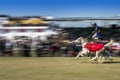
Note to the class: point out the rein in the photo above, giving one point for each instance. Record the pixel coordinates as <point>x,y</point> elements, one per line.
<point>89,36</point>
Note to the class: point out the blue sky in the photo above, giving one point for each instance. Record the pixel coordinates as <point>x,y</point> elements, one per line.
<point>61,8</point>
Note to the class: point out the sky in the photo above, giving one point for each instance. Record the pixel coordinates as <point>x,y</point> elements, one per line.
<point>61,8</point>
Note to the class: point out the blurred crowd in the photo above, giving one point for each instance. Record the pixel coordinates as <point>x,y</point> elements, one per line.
<point>25,46</point>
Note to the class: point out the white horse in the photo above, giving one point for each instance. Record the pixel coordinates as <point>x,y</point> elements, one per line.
<point>93,48</point>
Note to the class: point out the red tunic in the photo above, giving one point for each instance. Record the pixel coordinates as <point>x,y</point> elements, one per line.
<point>93,47</point>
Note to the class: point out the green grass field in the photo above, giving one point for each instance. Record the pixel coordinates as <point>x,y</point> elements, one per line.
<point>57,68</point>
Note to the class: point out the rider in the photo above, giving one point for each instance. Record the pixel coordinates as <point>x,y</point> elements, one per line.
<point>97,36</point>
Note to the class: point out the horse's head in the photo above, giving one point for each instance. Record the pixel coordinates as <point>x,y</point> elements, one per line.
<point>80,40</point>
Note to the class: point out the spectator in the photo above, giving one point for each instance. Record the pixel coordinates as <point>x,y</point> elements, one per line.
<point>26,49</point>
<point>8,48</point>
<point>39,49</point>
<point>2,47</point>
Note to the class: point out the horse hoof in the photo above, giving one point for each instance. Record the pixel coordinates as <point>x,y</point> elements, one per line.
<point>95,59</point>
<point>91,60</point>
<point>111,59</point>
<point>76,58</point>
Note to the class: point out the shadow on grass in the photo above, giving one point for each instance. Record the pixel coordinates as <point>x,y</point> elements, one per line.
<point>112,62</point>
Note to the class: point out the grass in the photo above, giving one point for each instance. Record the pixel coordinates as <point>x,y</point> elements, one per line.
<point>57,68</point>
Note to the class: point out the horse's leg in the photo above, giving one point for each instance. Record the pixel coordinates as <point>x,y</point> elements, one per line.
<point>101,59</point>
<point>96,56</point>
<point>110,55</point>
<point>79,54</point>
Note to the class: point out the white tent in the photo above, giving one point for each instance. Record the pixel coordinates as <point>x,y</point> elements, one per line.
<point>50,32</point>
<point>8,35</point>
<point>24,34</point>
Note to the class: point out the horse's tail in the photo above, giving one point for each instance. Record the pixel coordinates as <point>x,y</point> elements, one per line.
<point>109,43</point>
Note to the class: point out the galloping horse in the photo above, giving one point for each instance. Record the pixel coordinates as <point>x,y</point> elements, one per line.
<point>93,48</point>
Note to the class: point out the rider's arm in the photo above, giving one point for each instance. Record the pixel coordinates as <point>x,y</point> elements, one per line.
<point>96,28</point>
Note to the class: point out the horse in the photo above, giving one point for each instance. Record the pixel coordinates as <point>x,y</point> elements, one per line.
<point>93,48</point>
